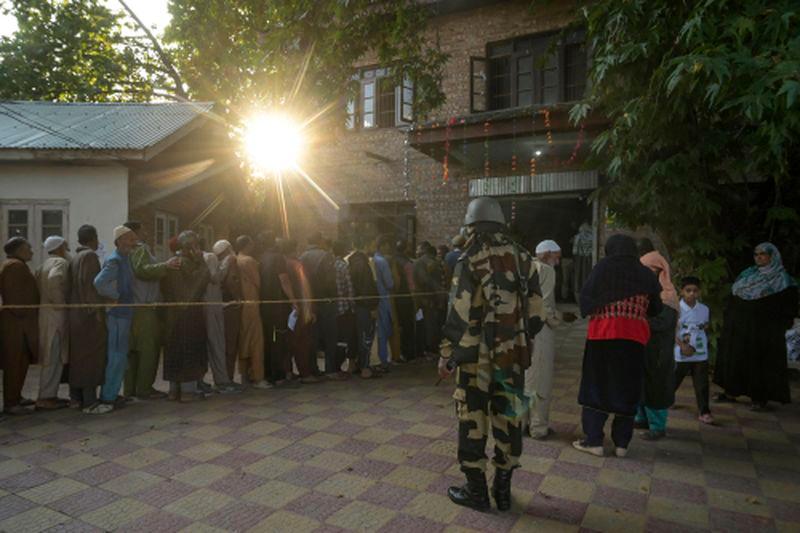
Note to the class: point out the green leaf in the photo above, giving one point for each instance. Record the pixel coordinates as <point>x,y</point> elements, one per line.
<point>790,88</point>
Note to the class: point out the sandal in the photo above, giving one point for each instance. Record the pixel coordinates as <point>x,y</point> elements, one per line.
<point>654,435</point>
<point>99,408</point>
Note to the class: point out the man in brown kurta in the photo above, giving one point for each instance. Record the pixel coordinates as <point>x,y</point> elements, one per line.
<point>19,328</point>
<point>251,336</point>
<point>87,326</point>
<point>185,351</point>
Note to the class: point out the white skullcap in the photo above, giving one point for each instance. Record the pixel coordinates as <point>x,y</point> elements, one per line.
<point>119,231</point>
<point>52,243</point>
<point>547,245</point>
<point>220,246</point>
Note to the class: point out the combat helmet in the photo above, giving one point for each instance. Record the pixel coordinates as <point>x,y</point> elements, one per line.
<point>484,209</point>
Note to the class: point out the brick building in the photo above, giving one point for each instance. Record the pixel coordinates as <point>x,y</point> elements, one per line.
<point>503,131</point>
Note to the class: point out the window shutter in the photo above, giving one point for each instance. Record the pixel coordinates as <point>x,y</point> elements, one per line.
<point>477,84</point>
<point>368,98</point>
<point>350,119</point>
<point>405,102</point>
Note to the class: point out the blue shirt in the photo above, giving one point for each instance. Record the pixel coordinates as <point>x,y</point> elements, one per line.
<point>452,258</point>
<point>115,281</point>
<point>383,273</point>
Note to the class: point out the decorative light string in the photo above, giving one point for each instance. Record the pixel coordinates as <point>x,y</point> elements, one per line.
<point>576,149</point>
<point>533,148</point>
<point>548,131</point>
<point>513,147</point>
<point>486,165</point>
<point>446,158</point>
<point>406,170</point>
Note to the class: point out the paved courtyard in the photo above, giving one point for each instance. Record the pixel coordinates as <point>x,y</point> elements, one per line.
<point>379,455</point>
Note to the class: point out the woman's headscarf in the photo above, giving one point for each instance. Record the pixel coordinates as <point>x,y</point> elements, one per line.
<point>759,282</point>
<point>656,262</point>
<point>618,276</point>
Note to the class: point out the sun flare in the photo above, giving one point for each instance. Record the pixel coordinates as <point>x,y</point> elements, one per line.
<point>273,142</point>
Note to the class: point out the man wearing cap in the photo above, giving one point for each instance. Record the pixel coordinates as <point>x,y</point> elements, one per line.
<point>145,340</point>
<point>215,326</point>
<point>495,309</point>
<point>539,377</point>
<point>452,256</point>
<point>19,328</point>
<point>53,280</point>
<point>115,281</point>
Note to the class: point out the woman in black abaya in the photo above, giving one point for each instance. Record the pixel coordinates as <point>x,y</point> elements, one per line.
<point>752,349</point>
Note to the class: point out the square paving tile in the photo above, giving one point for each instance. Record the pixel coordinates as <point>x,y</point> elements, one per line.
<point>275,494</point>
<point>203,475</point>
<point>117,514</point>
<point>287,522</point>
<point>33,520</point>
<point>199,504</point>
<point>53,490</point>
<point>361,516</point>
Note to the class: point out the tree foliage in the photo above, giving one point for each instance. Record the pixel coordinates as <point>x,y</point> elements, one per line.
<point>703,103</point>
<point>298,53</point>
<point>78,50</point>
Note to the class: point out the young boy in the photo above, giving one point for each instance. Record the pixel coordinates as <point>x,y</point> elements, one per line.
<point>691,345</point>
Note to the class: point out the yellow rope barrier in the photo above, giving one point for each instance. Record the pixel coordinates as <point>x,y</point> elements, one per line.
<point>204,303</point>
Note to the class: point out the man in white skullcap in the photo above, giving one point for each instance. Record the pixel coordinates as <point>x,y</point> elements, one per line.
<point>231,286</point>
<point>215,322</point>
<point>539,377</point>
<point>53,280</point>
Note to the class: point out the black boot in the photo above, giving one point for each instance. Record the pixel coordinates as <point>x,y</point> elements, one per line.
<point>501,489</point>
<point>475,494</point>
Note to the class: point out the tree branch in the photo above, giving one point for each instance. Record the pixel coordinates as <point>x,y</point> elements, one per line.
<point>171,70</point>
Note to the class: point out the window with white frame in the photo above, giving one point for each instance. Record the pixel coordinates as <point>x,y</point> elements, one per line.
<point>35,220</point>
<point>166,227</point>
<point>380,102</point>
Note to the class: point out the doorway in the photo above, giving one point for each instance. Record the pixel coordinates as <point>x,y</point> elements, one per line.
<point>533,219</point>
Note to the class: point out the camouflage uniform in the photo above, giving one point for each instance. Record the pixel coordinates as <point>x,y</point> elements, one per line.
<point>485,326</point>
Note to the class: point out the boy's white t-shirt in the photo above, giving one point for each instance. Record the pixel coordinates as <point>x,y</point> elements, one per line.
<point>690,328</point>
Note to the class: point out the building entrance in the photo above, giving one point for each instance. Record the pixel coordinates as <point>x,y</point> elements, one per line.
<point>533,219</point>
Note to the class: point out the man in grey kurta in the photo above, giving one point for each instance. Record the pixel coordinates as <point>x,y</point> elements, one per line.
<point>215,326</point>
<point>53,280</point>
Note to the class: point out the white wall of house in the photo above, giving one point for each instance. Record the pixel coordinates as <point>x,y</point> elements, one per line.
<point>96,195</point>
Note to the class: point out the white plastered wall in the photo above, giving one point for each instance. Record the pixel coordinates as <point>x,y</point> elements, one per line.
<point>96,195</point>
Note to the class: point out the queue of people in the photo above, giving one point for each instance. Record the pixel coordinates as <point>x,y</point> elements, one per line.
<point>258,303</point>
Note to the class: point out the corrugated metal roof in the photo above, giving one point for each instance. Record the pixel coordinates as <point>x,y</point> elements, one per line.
<point>88,126</point>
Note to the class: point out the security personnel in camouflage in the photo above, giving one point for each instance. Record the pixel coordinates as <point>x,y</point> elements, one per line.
<point>495,310</point>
